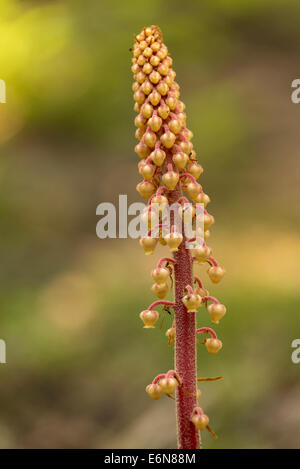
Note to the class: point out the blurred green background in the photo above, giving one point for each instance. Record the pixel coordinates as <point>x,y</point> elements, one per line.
<point>77,357</point>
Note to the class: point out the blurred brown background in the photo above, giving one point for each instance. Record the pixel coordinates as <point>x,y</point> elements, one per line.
<point>77,357</point>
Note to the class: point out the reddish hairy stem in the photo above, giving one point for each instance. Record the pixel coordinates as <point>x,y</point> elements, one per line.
<point>198,411</point>
<point>207,329</point>
<point>165,259</point>
<point>185,345</point>
<point>213,261</point>
<point>158,377</point>
<point>160,302</point>
<point>189,289</point>
<point>211,298</point>
<point>188,175</point>
<point>160,190</point>
<point>197,279</point>
<point>172,373</point>
<point>185,200</point>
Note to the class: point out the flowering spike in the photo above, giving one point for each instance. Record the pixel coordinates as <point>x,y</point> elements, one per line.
<point>168,165</point>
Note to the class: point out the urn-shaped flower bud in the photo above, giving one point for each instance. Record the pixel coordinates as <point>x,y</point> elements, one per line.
<point>147,171</point>
<point>201,253</point>
<point>175,124</point>
<point>213,345</point>
<point>154,77</point>
<point>140,121</point>
<point>135,86</point>
<point>163,69</point>
<point>159,201</point>
<point>162,88</point>
<point>139,133</point>
<point>188,134</point>
<point>146,189</point>
<point>158,157</point>
<point>216,273</point>
<point>193,189</point>
<point>149,318</point>
<point>208,220</point>
<point>149,244</point>
<point>168,385</point>
<point>200,421</point>
<point>170,333</point>
<point>139,97</point>
<point>182,117</point>
<point>192,301</point>
<point>146,87</point>
<point>185,146</point>
<point>163,111</point>
<point>171,101</point>
<point>154,98</point>
<point>202,199</point>
<point>154,60</point>
<point>173,240</point>
<point>142,150</point>
<point>154,390</point>
<point>168,139</point>
<point>155,123</point>
<point>180,160</point>
<point>195,169</point>
<point>147,110</point>
<point>216,312</point>
<point>150,139</point>
<point>160,290</point>
<point>160,275</point>
<point>171,179</point>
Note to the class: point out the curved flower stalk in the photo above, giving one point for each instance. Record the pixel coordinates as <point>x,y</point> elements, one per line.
<point>170,170</point>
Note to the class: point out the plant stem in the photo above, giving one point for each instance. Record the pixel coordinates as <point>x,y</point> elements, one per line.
<point>185,347</point>
<point>185,353</point>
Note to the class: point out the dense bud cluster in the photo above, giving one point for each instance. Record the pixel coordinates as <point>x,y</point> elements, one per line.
<point>161,120</point>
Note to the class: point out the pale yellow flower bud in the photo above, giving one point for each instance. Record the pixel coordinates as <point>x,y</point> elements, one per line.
<point>213,345</point>
<point>168,385</point>
<point>160,290</point>
<point>160,275</point>
<point>149,318</point>
<point>216,312</point>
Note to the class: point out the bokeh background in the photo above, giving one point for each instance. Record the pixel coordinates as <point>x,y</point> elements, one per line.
<point>77,357</point>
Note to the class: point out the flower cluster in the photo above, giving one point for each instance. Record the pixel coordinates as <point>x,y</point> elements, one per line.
<point>168,166</point>
<point>163,383</point>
